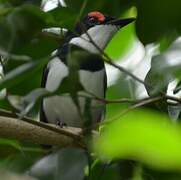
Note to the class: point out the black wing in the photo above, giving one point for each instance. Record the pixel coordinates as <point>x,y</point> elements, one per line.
<point>43,84</point>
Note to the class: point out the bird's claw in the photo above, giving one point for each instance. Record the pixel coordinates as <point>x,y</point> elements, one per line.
<point>61,124</point>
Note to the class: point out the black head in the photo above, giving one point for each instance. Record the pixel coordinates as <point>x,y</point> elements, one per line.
<point>96,18</point>
<point>101,29</point>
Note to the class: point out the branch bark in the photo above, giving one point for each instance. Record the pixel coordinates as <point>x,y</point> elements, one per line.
<point>20,130</point>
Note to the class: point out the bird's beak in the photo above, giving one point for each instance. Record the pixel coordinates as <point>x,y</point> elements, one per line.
<point>121,22</point>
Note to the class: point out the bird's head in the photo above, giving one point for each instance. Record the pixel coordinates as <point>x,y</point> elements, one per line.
<point>99,28</point>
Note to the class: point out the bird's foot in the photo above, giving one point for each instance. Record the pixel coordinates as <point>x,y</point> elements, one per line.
<point>61,124</point>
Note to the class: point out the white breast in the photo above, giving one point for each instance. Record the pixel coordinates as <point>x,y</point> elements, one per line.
<point>62,108</point>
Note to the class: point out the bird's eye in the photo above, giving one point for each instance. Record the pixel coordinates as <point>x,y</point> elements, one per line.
<point>93,20</point>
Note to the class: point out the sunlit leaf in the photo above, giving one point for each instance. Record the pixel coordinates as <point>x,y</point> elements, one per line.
<point>145,136</point>
<point>121,42</point>
<point>124,40</point>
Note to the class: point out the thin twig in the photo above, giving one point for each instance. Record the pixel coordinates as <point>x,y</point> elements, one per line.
<point>173,98</point>
<point>109,61</point>
<point>136,105</point>
<point>81,11</point>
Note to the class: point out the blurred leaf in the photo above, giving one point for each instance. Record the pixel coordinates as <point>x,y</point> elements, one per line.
<point>121,42</point>
<point>7,142</point>
<point>71,164</point>
<point>27,102</point>
<point>8,148</point>
<point>4,10</point>
<point>145,136</point>
<point>21,2</point>
<point>105,171</point>
<point>64,16</point>
<point>28,80</point>
<point>157,18</point>
<point>124,40</point>
<point>21,25</point>
<point>120,90</point>
<point>45,168</point>
<point>5,35</point>
<point>7,81</point>
<point>158,175</point>
<point>21,162</point>
<point>6,175</point>
<point>114,7</point>
<point>66,164</point>
<point>23,72</point>
<point>164,68</point>
<point>167,40</point>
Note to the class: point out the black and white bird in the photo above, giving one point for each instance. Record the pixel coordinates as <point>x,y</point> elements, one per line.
<point>61,109</point>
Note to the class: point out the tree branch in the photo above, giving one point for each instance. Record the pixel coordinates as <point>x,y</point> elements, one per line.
<point>20,130</point>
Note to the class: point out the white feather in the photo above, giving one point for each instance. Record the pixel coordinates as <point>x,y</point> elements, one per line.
<point>57,72</point>
<point>100,34</point>
<point>62,108</point>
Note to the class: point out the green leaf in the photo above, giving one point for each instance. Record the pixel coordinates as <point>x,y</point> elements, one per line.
<point>120,90</point>
<point>66,164</point>
<point>21,2</point>
<point>104,171</point>
<point>121,42</point>
<point>64,17</point>
<point>124,40</point>
<point>157,18</point>
<point>22,73</point>
<point>22,162</point>
<point>113,7</point>
<point>71,164</point>
<point>144,136</point>
<point>39,47</point>
<point>13,143</point>
<point>20,25</point>
<point>27,102</point>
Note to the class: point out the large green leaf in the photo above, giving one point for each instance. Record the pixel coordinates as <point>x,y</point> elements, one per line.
<point>114,7</point>
<point>157,18</point>
<point>145,136</point>
<point>64,17</point>
<point>20,2</point>
<point>124,40</point>
<point>121,42</point>
<point>25,72</point>
<point>66,164</point>
<point>20,25</point>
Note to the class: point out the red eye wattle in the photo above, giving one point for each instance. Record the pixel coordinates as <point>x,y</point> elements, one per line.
<point>97,15</point>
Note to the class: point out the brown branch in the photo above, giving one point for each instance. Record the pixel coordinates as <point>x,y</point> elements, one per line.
<point>14,128</point>
<point>39,124</point>
<point>41,133</point>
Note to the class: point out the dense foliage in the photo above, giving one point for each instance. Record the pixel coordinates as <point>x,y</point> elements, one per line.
<point>141,136</point>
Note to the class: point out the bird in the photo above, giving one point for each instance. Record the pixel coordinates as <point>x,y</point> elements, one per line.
<point>59,109</point>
